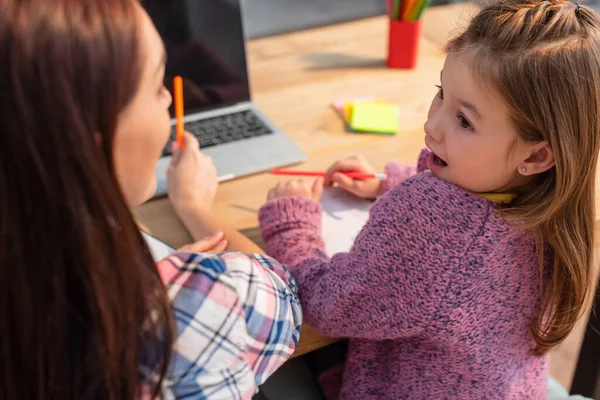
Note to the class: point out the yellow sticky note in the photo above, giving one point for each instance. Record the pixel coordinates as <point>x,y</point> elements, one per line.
<point>348,111</point>
<point>374,117</point>
<point>349,106</point>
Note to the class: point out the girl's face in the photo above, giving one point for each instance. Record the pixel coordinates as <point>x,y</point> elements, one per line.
<point>471,136</point>
<point>144,125</point>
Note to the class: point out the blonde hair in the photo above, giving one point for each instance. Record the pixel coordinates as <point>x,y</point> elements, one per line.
<point>543,58</point>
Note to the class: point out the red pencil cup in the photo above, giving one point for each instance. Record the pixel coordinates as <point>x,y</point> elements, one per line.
<point>403,43</point>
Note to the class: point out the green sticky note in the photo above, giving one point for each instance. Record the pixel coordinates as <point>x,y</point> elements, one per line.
<point>370,117</point>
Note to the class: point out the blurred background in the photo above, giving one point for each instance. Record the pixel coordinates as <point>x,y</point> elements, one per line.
<point>270,17</point>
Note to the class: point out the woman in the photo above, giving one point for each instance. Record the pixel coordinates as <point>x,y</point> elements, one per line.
<point>86,313</point>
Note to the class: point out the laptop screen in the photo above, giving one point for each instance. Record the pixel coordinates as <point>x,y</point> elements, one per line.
<point>205,46</point>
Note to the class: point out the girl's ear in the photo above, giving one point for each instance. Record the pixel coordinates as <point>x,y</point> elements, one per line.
<point>540,160</point>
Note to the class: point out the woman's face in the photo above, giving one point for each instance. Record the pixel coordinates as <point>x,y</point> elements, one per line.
<point>144,125</point>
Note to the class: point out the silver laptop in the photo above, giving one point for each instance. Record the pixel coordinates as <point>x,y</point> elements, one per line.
<point>205,46</point>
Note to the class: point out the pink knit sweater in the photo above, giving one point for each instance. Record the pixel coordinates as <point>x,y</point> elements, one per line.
<point>436,294</point>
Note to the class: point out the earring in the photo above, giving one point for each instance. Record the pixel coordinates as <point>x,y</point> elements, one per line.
<point>523,169</point>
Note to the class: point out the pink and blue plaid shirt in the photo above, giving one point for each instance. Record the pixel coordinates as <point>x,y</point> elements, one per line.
<point>238,320</point>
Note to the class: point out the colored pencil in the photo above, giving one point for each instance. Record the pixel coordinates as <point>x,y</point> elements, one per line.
<point>353,175</point>
<point>178,92</point>
<point>402,8</point>
<point>412,16</point>
<point>396,10</point>
<point>410,4</point>
<point>423,7</point>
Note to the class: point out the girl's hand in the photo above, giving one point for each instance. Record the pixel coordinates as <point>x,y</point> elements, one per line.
<point>211,244</point>
<point>367,188</point>
<point>297,189</point>
<point>191,177</point>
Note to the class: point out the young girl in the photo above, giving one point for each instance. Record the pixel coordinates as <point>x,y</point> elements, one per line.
<point>86,314</point>
<point>474,265</point>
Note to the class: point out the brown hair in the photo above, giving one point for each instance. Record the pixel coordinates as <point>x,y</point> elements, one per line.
<point>543,57</point>
<point>81,301</point>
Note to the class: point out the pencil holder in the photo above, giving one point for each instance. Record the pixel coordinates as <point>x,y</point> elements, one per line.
<point>403,43</point>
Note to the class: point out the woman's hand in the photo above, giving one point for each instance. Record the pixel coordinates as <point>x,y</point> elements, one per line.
<point>297,189</point>
<point>367,188</point>
<point>191,177</point>
<point>211,244</point>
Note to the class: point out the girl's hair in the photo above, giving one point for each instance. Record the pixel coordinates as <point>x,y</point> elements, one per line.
<point>81,301</point>
<point>543,58</point>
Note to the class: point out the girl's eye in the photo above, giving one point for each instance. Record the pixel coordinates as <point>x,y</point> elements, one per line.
<point>440,92</point>
<point>464,123</point>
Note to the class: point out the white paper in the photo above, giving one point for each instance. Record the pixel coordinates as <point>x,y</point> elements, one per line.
<point>344,215</point>
<point>159,249</point>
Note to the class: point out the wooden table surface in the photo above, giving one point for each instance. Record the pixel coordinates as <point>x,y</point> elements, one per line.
<point>294,78</point>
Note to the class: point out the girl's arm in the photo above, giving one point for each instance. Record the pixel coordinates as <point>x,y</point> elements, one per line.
<point>398,172</point>
<point>391,282</point>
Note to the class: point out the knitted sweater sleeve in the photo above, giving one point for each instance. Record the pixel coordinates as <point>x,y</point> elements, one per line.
<point>393,279</point>
<point>397,172</point>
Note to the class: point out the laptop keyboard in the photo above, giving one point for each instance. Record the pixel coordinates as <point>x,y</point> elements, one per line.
<point>223,129</point>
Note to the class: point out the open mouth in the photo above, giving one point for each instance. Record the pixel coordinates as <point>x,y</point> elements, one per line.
<point>439,161</point>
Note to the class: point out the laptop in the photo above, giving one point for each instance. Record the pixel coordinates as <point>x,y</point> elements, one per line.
<point>205,46</point>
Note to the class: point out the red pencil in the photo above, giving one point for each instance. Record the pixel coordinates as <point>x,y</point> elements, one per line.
<point>353,175</point>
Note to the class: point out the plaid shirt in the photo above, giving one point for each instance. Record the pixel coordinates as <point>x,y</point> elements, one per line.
<point>238,319</point>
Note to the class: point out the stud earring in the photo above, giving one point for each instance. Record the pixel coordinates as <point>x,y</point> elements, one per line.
<point>523,169</point>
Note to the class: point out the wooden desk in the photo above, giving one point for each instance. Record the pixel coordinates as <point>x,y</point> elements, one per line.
<point>295,77</point>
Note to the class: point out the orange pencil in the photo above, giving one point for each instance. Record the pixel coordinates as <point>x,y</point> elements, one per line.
<point>410,4</point>
<point>178,92</point>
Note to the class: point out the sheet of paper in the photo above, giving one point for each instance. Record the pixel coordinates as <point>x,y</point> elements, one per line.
<point>159,249</point>
<point>344,215</point>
